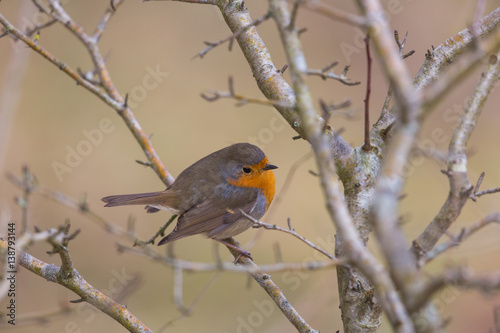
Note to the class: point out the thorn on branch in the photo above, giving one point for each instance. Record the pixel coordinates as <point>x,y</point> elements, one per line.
<point>76,301</point>
<point>301,31</point>
<point>428,54</point>
<point>147,164</point>
<point>401,45</point>
<point>277,252</point>
<point>5,33</point>
<point>409,54</point>
<point>346,68</point>
<point>289,222</point>
<point>283,69</point>
<point>230,86</point>
<point>84,205</point>
<point>327,68</point>
<point>212,98</point>
<point>112,3</point>
<point>125,104</point>
<point>386,131</point>
<point>314,173</point>
<point>446,172</point>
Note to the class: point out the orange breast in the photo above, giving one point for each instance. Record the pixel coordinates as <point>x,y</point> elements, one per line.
<point>258,179</point>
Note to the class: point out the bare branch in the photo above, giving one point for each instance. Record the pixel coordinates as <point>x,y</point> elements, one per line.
<point>459,238</point>
<point>160,232</point>
<point>460,188</point>
<point>465,65</point>
<point>72,280</point>
<point>378,29</point>
<point>390,180</point>
<point>335,13</point>
<point>475,194</point>
<point>103,24</point>
<point>224,266</point>
<point>274,292</point>
<point>337,209</point>
<point>110,96</point>
<point>202,2</point>
<point>71,203</point>
<point>325,73</point>
<point>446,53</point>
<point>459,277</point>
<point>231,38</point>
<point>292,232</point>
<point>441,57</point>
<point>367,145</point>
<point>269,79</point>
<point>385,113</point>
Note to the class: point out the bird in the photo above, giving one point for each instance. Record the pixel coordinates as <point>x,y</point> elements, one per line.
<point>211,195</point>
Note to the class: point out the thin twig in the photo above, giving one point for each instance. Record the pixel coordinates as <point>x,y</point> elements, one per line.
<point>211,45</point>
<point>458,277</point>
<point>291,231</point>
<point>367,145</point>
<point>462,67</point>
<point>313,132</point>
<point>72,280</point>
<point>335,13</point>
<point>274,292</point>
<point>113,99</point>
<point>201,2</point>
<point>160,232</point>
<point>458,238</point>
<point>224,266</point>
<point>214,95</point>
<point>71,203</point>
<point>475,194</point>
<point>103,23</point>
<point>324,74</point>
<point>460,187</point>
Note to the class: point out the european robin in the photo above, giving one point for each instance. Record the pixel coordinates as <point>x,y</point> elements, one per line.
<point>210,195</point>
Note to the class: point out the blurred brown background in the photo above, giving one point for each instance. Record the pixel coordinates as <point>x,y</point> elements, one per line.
<point>52,115</point>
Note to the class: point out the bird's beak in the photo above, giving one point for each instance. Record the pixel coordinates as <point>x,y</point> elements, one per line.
<point>269,167</point>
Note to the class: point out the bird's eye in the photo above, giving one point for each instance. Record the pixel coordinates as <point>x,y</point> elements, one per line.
<point>246,170</point>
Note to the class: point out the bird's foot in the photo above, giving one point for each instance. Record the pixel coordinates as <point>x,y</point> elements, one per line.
<point>241,252</point>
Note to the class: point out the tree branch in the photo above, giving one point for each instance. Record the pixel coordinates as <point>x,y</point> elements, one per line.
<point>455,240</point>
<point>269,79</point>
<point>70,278</point>
<point>460,187</point>
<point>224,266</point>
<point>110,96</point>
<point>337,208</point>
<point>274,292</point>
<point>290,231</point>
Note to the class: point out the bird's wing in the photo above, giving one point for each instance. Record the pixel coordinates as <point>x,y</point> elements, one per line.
<point>204,218</point>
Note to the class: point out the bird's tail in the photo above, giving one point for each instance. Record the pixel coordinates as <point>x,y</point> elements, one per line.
<point>152,200</point>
